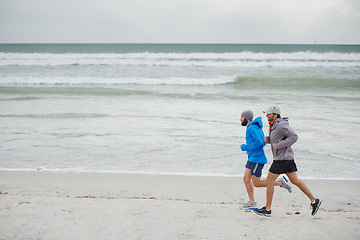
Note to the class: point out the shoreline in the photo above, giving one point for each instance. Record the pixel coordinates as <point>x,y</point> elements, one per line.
<point>162,174</point>
<point>49,205</point>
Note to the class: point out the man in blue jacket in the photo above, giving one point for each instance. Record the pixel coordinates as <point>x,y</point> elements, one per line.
<point>256,158</point>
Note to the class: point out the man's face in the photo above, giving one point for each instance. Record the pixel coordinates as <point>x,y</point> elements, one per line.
<point>244,121</point>
<point>271,117</point>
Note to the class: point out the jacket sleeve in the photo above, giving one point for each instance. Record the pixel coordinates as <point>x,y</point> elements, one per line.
<point>257,141</point>
<point>290,137</point>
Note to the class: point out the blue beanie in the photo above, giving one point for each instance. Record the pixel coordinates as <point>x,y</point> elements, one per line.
<point>248,115</point>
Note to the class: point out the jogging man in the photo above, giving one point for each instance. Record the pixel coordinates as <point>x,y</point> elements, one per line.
<point>256,158</point>
<point>281,137</point>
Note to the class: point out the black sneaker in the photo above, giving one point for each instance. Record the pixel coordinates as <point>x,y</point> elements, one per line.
<point>263,212</point>
<point>315,206</point>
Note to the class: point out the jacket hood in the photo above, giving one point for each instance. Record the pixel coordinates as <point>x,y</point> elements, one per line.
<point>284,120</point>
<point>257,122</point>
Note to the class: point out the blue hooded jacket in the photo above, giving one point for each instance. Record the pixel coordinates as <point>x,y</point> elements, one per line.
<point>255,142</point>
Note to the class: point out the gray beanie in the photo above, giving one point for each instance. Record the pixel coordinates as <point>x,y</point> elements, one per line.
<point>248,115</point>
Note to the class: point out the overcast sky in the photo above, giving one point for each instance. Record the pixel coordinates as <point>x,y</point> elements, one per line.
<point>180,21</point>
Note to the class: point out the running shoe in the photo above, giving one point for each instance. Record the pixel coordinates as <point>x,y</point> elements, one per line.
<point>315,206</point>
<point>263,212</point>
<point>285,183</point>
<point>249,205</point>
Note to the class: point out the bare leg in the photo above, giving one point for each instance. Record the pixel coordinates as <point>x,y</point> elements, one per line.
<point>262,183</point>
<point>270,182</point>
<point>251,181</point>
<point>301,185</point>
<point>248,185</point>
<point>257,182</point>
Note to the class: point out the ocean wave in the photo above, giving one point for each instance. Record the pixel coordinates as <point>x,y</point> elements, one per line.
<point>56,115</point>
<point>76,81</point>
<point>244,59</point>
<point>88,83</point>
<point>20,99</point>
<point>296,80</point>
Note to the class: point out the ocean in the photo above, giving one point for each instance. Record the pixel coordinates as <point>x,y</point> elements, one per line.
<point>175,108</point>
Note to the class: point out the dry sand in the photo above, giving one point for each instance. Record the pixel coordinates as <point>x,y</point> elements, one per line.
<point>48,205</point>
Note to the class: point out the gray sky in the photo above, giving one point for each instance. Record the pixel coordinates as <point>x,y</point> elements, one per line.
<point>180,21</point>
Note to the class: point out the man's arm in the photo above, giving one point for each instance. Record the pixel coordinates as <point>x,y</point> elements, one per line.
<point>290,138</point>
<point>257,140</point>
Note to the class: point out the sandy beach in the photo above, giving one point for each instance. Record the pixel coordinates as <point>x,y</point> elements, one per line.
<point>50,205</point>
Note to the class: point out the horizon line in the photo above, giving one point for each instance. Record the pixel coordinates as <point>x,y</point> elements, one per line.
<point>174,43</point>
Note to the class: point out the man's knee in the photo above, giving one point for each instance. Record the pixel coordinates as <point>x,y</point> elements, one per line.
<point>257,184</point>
<point>296,181</point>
<point>271,178</point>
<point>256,181</point>
<point>247,179</point>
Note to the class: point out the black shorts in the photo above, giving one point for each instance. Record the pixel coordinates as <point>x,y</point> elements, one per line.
<point>283,166</point>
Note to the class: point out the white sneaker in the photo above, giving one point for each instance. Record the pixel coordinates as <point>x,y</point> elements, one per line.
<point>285,183</point>
<point>249,206</point>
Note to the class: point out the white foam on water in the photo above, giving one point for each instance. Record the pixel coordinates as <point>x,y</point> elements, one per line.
<point>244,59</point>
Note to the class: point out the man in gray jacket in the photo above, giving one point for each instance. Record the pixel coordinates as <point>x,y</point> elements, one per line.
<point>281,137</point>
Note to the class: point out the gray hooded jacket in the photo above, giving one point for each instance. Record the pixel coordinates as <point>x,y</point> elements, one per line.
<point>283,136</point>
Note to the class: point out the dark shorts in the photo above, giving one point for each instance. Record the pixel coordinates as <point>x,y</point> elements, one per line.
<point>283,166</point>
<point>256,168</point>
